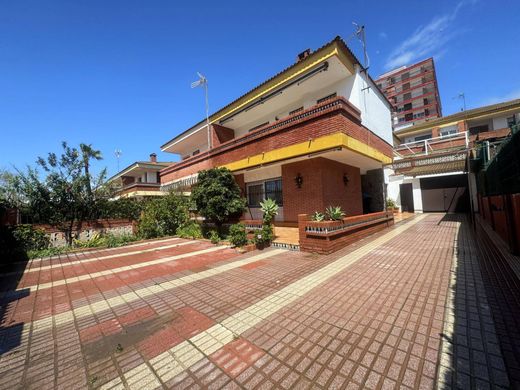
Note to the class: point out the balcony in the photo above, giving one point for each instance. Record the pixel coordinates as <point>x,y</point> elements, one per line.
<point>445,143</point>
<point>139,189</point>
<point>333,116</point>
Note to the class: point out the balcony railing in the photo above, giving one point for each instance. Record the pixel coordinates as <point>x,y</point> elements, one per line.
<point>433,145</point>
<point>139,186</point>
<point>337,104</point>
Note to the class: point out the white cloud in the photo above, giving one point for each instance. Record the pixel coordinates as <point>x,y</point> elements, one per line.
<point>426,40</point>
<point>383,35</point>
<point>515,94</point>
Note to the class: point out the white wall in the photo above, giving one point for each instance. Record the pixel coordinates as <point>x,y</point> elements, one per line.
<point>499,123</point>
<point>375,111</point>
<point>393,189</point>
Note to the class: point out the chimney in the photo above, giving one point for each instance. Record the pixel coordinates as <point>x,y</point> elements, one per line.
<point>153,158</point>
<point>303,55</point>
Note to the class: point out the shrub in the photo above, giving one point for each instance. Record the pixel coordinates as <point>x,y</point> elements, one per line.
<point>334,213</point>
<point>113,240</point>
<point>237,235</point>
<point>390,203</point>
<point>217,196</point>
<point>269,209</point>
<point>163,216</point>
<point>30,238</point>
<point>214,237</point>
<point>50,251</point>
<point>264,236</point>
<point>190,230</point>
<point>317,216</point>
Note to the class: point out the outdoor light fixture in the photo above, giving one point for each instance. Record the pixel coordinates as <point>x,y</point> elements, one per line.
<point>298,180</point>
<point>345,179</point>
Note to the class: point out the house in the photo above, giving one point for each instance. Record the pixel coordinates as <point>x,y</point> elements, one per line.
<point>313,135</point>
<point>431,163</point>
<point>140,179</point>
<point>414,93</point>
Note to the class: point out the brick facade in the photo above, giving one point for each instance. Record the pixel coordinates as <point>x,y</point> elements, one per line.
<point>350,230</point>
<point>322,186</point>
<point>221,134</point>
<point>330,117</point>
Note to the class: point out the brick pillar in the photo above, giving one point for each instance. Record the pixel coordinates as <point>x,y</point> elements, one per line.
<point>461,127</point>
<point>221,134</point>
<point>436,131</point>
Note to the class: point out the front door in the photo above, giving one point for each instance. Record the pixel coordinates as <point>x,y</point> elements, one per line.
<point>406,197</point>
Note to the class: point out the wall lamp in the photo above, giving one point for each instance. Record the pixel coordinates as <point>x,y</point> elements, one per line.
<point>346,179</point>
<point>298,180</point>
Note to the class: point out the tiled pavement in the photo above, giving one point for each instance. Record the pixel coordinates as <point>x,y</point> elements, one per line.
<point>181,314</point>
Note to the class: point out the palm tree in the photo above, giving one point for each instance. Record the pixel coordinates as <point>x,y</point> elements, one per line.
<point>89,153</point>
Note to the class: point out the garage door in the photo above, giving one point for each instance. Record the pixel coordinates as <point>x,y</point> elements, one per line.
<point>445,193</point>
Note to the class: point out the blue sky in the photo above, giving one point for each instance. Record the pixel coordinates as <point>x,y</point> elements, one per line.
<point>117,74</point>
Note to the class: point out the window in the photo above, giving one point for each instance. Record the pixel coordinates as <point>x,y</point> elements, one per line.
<point>407,96</point>
<point>426,111</point>
<point>259,191</point>
<point>406,86</point>
<point>425,101</point>
<point>273,190</point>
<point>195,152</point>
<point>257,127</point>
<point>296,110</point>
<point>423,137</point>
<point>407,106</point>
<point>448,132</point>
<point>405,76</point>
<point>255,194</point>
<point>332,95</point>
<point>511,121</point>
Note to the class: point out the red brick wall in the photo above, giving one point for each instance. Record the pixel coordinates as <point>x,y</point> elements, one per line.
<point>499,216</point>
<point>461,126</point>
<point>341,118</point>
<point>332,242</point>
<point>322,186</point>
<point>221,134</point>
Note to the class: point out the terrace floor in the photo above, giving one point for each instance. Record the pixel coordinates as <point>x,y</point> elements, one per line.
<point>412,306</point>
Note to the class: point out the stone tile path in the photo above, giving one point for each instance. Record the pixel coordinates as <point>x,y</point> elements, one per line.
<point>185,314</point>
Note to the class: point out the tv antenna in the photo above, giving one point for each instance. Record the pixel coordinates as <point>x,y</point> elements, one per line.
<point>462,96</point>
<point>203,82</point>
<point>360,34</point>
<point>118,153</point>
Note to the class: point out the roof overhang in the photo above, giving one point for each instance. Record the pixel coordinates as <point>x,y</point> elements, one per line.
<point>334,49</point>
<point>138,168</point>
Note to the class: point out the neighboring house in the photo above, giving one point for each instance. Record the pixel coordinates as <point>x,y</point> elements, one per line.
<point>414,93</point>
<point>140,179</point>
<point>315,134</point>
<point>430,167</point>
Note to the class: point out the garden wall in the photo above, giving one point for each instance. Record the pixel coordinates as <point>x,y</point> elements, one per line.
<point>329,236</point>
<point>88,229</point>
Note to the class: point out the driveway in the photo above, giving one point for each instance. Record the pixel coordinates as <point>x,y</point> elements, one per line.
<point>382,313</point>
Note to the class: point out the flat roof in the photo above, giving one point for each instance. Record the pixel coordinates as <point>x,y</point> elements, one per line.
<point>462,115</point>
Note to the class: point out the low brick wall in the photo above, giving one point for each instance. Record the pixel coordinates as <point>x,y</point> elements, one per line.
<point>329,236</point>
<point>502,213</point>
<point>88,229</point>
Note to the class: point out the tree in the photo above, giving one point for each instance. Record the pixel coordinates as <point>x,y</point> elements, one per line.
<point>88,153</point>
<point>217,196</point>
<point>65,197</point>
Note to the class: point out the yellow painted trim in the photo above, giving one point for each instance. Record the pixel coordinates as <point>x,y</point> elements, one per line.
<point>142,193</point>
<point>337,140</point>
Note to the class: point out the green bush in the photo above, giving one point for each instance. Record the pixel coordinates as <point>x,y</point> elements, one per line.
<point>190,230</point>
<point>264,236</point>
<point>217,196</point>
<point>113,240</point>
<point>30,238</point>
<point>163,216</point>
<point>50,251</point>
<point>214,237</point>
<point>237,235</point>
